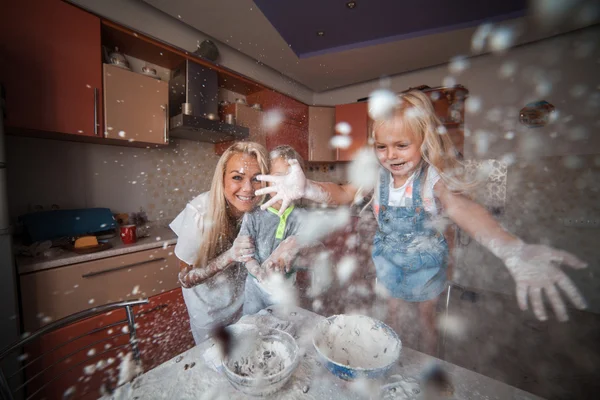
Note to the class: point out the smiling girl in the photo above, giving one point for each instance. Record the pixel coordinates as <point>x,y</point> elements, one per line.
<point>416,183</point>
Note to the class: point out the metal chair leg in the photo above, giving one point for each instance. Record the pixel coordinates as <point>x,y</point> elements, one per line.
<point>4,388</point>
<point>132,335</point>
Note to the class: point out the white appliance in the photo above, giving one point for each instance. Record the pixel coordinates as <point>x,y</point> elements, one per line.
<point>9,312</point>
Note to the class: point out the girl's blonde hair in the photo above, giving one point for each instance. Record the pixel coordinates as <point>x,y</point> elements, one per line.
<point>220,230</point>
<point>437,149</point>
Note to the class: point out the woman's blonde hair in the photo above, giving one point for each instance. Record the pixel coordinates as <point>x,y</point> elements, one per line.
<point>220,229</point>
<point>437,149</point>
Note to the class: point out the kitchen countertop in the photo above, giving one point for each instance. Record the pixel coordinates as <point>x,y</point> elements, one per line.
<point>188,376</point>
<point>159,237</point>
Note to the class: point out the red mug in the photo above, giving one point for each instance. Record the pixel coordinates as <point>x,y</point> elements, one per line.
<point>128,234</point>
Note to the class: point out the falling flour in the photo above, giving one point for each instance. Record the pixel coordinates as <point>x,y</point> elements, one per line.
<point>357,341</point>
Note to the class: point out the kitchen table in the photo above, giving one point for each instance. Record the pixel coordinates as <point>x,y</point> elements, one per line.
<point>189,376</point>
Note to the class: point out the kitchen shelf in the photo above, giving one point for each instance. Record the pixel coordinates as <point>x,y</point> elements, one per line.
<point>162,54</point>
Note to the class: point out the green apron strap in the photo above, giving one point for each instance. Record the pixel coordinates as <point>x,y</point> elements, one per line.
<point>282,220</point>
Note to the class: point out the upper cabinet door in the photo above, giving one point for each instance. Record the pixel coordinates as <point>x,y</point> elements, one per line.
<point>292,128</point>
<point>291,135</point>
<point>50,65</point>
<point>321,128</point>
<point>356,115</point>
<point>135,106</point>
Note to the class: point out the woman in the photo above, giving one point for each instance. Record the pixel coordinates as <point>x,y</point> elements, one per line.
<point>209,252</point>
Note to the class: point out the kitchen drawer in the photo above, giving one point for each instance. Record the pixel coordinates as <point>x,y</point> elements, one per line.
<point>53,294</point>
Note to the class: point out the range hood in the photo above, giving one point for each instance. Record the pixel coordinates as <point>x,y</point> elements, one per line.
<point>197,87</point>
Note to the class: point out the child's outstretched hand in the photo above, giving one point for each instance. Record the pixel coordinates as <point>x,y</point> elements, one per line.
<point>286,188</point>
<point>536,268</point>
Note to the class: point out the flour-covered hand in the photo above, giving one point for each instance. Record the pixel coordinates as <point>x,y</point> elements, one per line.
<point>255,269</point>
<point>286,188</point>
<point>536,268</point>
<point>242,249</point>
<point>282,259</point>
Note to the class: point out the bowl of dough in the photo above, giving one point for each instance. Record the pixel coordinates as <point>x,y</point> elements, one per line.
<point>261,360</point>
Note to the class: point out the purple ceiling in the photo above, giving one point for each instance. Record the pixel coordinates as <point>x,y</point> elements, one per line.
<point>376,21</point>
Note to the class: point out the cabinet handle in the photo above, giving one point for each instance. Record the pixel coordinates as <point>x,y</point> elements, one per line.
<point>96,111</point>
<point>153,309</point>
<point>166,121</point>
<point>109,270</point>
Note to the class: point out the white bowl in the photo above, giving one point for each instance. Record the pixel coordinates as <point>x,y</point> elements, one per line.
<point>356,346</point>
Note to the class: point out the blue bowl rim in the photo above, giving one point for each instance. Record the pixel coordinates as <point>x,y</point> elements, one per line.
<point>359,370</point>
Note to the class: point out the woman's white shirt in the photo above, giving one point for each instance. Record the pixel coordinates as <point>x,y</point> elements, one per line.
<point>219,299</point>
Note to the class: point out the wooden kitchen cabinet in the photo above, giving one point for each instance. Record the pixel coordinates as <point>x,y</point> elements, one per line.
<point>448,103</point>
<point>312,142</point>
<point>293,129</point>
<point>247,117</point>
<point>356,115</point>
<point>51,67</point>
<point>294,112</point>
<point>291,135</point>
<point>135,106</point>
<point>52,294</point>
<point>98,354</point>
<point>163,328</point>
<point>321,128</point>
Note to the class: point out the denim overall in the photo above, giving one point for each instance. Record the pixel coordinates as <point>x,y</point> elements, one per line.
<point>410,256</point>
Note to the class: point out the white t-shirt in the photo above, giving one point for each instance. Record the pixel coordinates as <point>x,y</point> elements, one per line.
<point>402,196</point>
<point>218,299</point>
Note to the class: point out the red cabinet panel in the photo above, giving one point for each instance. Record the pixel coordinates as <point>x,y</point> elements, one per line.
<point>51,66</point>
<point>163,328</point>
<point>294,112</point>
<point>292,135</point>
<point>99,360</point>
<point>163,331</point>
<point>293,130</point>
<point>356,115</point>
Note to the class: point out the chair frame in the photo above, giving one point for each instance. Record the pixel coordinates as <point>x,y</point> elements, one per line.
<point>5,391</point>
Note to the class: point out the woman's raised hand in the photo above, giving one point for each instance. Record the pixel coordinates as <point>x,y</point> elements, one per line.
<point>286,188</point>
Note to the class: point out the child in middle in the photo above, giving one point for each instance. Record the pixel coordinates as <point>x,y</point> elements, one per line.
<point>271,233</point>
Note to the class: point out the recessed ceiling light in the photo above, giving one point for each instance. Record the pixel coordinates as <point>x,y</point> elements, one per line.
<point>351,4</point>
<point>320,33</point>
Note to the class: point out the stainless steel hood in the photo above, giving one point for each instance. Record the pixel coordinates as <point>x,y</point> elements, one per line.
<point>205,130</point>
<point>197,86</point>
